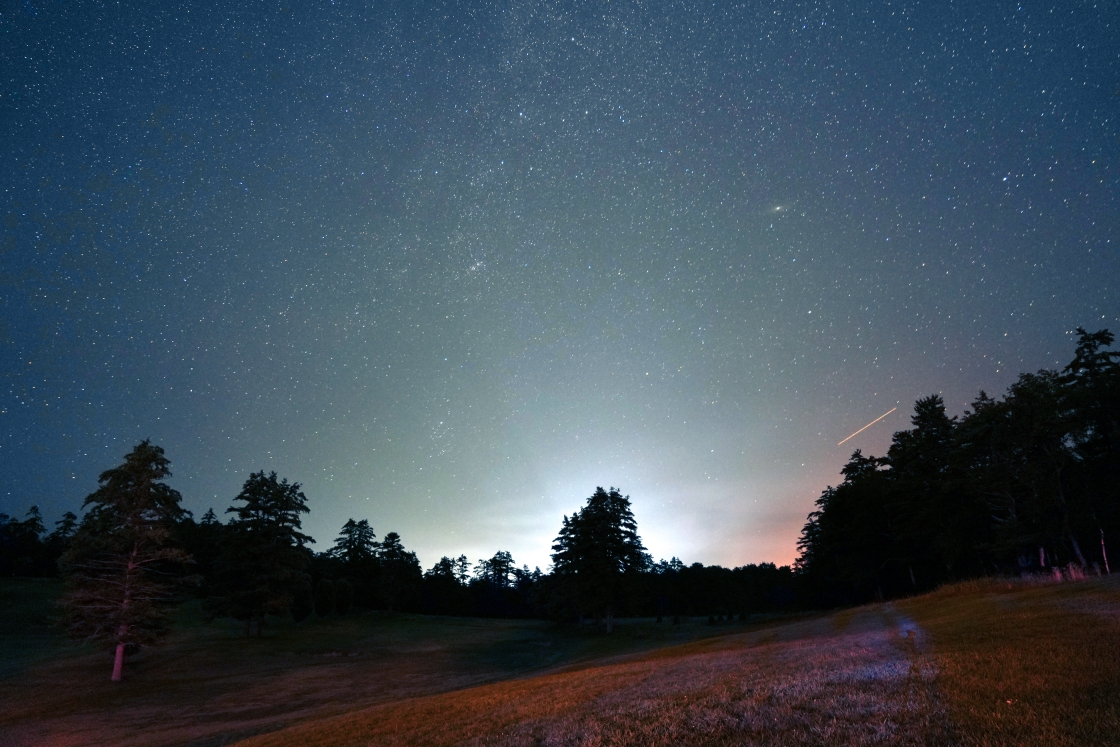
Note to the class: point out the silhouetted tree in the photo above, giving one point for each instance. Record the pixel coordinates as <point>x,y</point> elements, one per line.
<point>597,549</point>
<point>1091,383</point>
<point>462,569</point>
<point>355,553</point>
<point>356,543</point>
<point>443,569</point>
<point>927,510</point>
<point>58,540</point>
<point>444,589</point>
<point>262,566</point>
<point>22,551</point>
<point>208,540</point>
<point>1025,482</point>
<point>119,563</point>
<point>400,570</point>
<point>498,570</point>
<point>848,545</point>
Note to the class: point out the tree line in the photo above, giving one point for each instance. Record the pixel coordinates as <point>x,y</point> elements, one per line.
<point>1026,484</point>
<point>136,553</point>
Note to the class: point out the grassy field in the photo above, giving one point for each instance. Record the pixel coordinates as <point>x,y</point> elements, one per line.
<point>984,663</point>
<point>208,685</point>
<point>1027,665</point>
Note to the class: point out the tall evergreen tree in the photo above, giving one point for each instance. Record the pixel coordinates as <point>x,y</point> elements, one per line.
<point>22,552</point>
<point>462,569</point>
<point>922,503</point>
<point>204,540</point>
<point>261,570</point>
<point>355,556</point>
<point>597,549</point>
<point>499,570</point>
<point>64,530</point>
<point>443,569</point>
<point>119,561</point>
<point>1092,394</point>
<point>444,591</point>
<point>55,543</point>
<point>1026,483</point>
<point>356,543</point>
<point>400,570</point>
<point>848,546</point>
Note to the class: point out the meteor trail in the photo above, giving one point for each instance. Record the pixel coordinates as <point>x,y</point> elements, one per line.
<point>873,422</point>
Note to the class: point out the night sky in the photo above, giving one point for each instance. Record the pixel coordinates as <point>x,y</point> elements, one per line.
<point>451,267</point>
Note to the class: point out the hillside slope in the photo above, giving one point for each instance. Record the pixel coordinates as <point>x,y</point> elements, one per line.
<point>208,685</point>
<point>987,663</point>
<point>984,664</point>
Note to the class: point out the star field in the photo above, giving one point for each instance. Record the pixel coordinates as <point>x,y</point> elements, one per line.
<point>453,266</point>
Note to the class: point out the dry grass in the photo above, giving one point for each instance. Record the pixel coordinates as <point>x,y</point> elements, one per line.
<point>984,663</point>
<point>798,684</point>
<point>1028,664</point>
<point>207,685</point>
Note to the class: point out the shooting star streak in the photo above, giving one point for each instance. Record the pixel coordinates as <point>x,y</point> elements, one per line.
<point>873,422</point>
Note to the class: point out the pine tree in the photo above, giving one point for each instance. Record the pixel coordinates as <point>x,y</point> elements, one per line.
<point>1021,484</point>
<point>119,562</point>
<point>462,569</point>
<point>498,570</point>
<point>262,566</point>
<point>847,546</point>
<point>57,541</point>
<point>1092,396</point>
<point>444,569</point>
<point>445,587</point>
<point>597,549</point>
<point>64,528</point>
<point>28,548</point>
<point>354,556</point>
<point>921,500</point>
<point>400,570</point>
<point>356,543</point>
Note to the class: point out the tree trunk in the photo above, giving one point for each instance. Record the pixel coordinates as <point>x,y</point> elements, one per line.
<point>610,620</point>
<point>1104,554</point>
<point>118,663</point>
<point>123,628</point>
<point>1077,549</point>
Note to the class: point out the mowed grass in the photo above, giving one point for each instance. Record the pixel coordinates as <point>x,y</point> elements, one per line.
<point>985,663</point>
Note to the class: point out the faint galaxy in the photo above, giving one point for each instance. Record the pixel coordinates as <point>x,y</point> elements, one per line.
<point>453,266</point>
